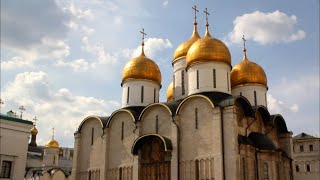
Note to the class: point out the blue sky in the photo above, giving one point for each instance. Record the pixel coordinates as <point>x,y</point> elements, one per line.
<point>63,60</point>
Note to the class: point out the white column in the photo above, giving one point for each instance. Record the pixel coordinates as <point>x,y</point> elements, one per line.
<point>74,172</point>
<point>175,148</point>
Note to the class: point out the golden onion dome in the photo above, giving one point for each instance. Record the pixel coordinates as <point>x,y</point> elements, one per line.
<point>141,67</point>
<point>52,144</point>
<point>183,48</point>
<point>247,72</point>
<point>208,49</point>
<point>34,130</point>
<point>170,95</point>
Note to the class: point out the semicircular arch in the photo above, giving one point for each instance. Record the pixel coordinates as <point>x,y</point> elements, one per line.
<point>119,111</point>
<point>191,97</point>
<point>90,118</point>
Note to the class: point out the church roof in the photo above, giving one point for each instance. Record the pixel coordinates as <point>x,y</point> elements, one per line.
<point>135,111</point>
<point>172,105</point>
<point>304,136</point>
<point>219,98</point>
<point>258,140</point>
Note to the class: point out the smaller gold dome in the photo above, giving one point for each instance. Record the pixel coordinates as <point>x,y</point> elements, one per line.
<point>247,72</point>
<point>183,48</point>
<point>34,130</point>
<point>208,49</point>
<point>52,144</point>
<point>170,95</point>
<point>141,67</point>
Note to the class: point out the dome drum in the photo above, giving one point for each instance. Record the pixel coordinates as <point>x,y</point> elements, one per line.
<point>210,76</point>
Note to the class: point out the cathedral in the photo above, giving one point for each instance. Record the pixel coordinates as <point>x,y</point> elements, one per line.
<point>215,124</point>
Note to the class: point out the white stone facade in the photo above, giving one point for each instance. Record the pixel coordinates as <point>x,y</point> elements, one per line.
<point>180,79</point>
<point>14,137</point>
<point>139,93</point>
<point>255,93</point>
<point>306,156</point>
<point>209,76</point>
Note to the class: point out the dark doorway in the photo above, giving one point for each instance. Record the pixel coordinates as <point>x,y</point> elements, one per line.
<point>154,160</point>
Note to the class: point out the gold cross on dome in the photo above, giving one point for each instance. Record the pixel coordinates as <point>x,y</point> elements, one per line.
<point>52,132</point>
<point>35,120</point>
<point>143,34</point>
<point>207,13</point>
<point>195,13</point>
<point>244,43</point>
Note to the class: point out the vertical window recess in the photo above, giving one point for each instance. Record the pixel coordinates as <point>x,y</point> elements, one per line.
<point>228,81</point>
<point>214,79</point>
<point>255,97</point>
<point>122,130</point>
<point>157,124</point>
<point>265,172</point>
<point>92,136</point>
<point>182,82</point>
<point>197,79</point>
<point>154,95</point>
<point>128,94</point>
<point>196,118</point>
<point>142,92</point>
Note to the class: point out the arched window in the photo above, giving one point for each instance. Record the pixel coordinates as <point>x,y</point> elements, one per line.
<point>265,171</point>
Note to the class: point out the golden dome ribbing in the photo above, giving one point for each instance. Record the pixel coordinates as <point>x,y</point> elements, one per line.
<point>52,144</point>
<point>247,72</point>
<point>34,130</point>
<point>141,67</point>
<point>170,95</point>
<point>183,48</point>
<point>208,49</point>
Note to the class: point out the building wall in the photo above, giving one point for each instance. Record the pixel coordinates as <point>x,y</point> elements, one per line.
<point>206,80</point>
<point>306,157</point>
<point>200,148</point>
<point>91,153</point>
<point>14,137</point>
<point>118,148</point>
<point>179,66</point>
<point>248,92</point>
<point>150,93</point>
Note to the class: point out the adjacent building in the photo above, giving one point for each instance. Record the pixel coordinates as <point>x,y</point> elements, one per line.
<point>306,155</point>
<point>14,137</point>
<point>49,161</point>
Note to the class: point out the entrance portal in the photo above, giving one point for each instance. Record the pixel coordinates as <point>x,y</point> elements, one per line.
<point>154,157</point>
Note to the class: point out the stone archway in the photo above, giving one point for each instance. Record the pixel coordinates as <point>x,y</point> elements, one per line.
<point>154,153</point>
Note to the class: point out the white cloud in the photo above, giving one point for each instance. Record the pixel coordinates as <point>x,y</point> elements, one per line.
<point>78,12</point>
<point>152,46</point>
<point>79,65</point>
<point>61,109</point>
<point>277,106</point>
<point>165,3</point>
<point>13,63</point>
<point>117,20</point>
<point>265,28</point>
